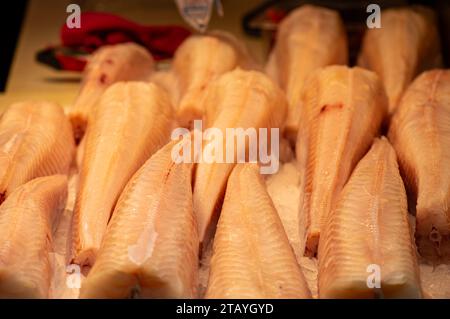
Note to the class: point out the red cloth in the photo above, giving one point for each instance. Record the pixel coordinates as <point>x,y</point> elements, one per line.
<point>99,28</point>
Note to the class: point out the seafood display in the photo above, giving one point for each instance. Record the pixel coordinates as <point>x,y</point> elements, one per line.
<point>368,230</point>
<point>35,140</point>
<point>407,44</point>
<point>132,121</point>
<point>308,39</point>
<point>209,176</point>
<point>110,64</point>
<point>257,261</point>
<point>420,133</point>
<point>238,99</point>
<point>31,212</point>
<point>152,242</point>
<point>343,109</point>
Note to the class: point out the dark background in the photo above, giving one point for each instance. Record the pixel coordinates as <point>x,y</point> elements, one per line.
<point>11,17</point>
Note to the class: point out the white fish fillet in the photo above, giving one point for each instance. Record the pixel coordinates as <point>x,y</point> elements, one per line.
<point>35,140</point>
<point>343,109</point>
<point>366,248</point>
<point>238,99</point>
<point>27,221</point>
<point>132,121</point>
<point>108,65</point>
<point>310,37</point>
<point>420,134</point>
<point>152,241</point>
<point>199,60</point>
<point>252,257</point>
<point>406,44</point>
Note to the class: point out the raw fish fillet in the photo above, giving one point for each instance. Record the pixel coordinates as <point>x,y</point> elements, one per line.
<point>132,121</point>
<point>420,134</point>
<point>35,140</point>
<point>342,111</point>
<point>199,60</point>
<point>252,257</point>
<point>406,44</point>
<point>308,38</point>
<point>27,220</point>
<point>151,245</point>
<point>110,64</point>
<point>66,277</point>
<point>167,80</point>
<point>369,228</point>
<point>238,99</point>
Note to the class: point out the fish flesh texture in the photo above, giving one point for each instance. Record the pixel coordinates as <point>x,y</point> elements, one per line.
<point>167,80</point>
<point>132,121</point>
<point>420,134</point>
<point>27,220</point>
<point>108,65</point>
<point>309,38</point>
<point>252,257</point>
<point>343,109</point>
<point>35,140</point>
<point>238,99</point>
<point>406,44</point>
<point>199,60</point>
<point>366,247</point>
<point>151,245</point>
<point>66,277</point>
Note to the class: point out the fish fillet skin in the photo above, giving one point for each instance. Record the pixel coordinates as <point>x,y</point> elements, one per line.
<point>238,99</point>
<point>369,228</point>
<point>35,140</point>
<point>27,219</point>
<point>343,109</point>
<point>199,60</point>
<point>406,44</point>
<point>152,241</point>
<point>108,65</point>
<point>308,38</point>
<point>420,134</point>
<point>132,121</point>
<point>252,257</point>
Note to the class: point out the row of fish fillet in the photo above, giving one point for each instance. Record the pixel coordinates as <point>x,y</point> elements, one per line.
<point>372,148</point>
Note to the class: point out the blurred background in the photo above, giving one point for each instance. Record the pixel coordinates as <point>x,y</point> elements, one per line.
<point>29,26</point>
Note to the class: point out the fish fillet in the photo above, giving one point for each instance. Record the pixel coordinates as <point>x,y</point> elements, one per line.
<point>406,44</point>
<point>27,220</point>
<point>199,60</point>
<point>152,241</point>
<point>308,38</point>
<point>238,99</point>
<point>368,231</point>
<point>65,277</point>
<point>110,64</point>
<point>420,133</point>
<point>342,111</point>
<point>35,140</point>
<point>167,80</point>
<point>252,257</point>
<point>132,121</point>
